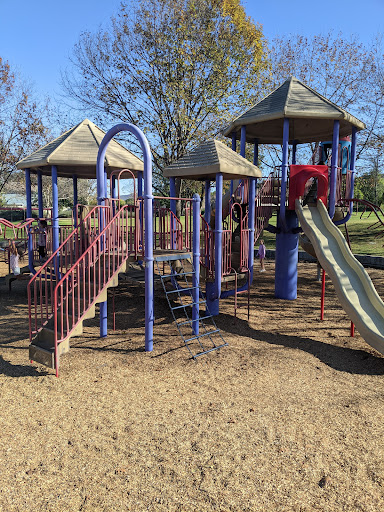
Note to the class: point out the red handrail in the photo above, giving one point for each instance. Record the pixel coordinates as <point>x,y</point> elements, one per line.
<point>77,291</point>
<point>41,287</point>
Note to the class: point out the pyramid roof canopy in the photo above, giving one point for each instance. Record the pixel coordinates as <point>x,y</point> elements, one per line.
<point>208,159</point>
<point>311,116</point>
<point>75,153</point>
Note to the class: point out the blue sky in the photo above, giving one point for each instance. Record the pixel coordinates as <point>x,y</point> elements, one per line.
<point>36,37</point>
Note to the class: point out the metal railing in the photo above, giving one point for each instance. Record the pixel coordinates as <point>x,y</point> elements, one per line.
<point>41,287</point>
<point>77,291</point>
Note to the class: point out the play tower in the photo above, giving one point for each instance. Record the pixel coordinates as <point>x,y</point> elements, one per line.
<point>201,259</point>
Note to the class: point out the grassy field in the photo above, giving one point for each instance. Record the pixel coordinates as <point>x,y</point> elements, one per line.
<point>364,238</point>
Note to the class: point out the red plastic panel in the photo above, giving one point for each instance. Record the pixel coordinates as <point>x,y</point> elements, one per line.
<point>300,174</point>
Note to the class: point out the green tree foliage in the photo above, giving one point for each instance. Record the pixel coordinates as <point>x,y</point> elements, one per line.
<point>370,185</point>
<point>21,123</point>
<point>179,69</point>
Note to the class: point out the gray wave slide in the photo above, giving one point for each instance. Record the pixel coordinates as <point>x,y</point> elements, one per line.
<point>353,285</point>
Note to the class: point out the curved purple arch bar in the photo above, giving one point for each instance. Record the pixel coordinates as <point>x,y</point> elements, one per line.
<point>148,207</point>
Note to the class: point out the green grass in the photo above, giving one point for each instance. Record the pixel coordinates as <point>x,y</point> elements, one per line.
<point>364,240</point>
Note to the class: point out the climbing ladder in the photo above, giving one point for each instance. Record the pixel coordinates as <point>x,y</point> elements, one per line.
<point>185,299</point>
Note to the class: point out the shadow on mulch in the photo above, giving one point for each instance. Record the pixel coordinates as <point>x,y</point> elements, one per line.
<point>19,370</point>
<point>342,359</point>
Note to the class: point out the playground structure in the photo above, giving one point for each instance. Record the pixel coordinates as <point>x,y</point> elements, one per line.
<point>212,249</point>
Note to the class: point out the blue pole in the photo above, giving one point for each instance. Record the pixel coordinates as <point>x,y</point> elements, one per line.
<point>75,198</point>
<point>256,157</point>
<point>256,152</point>
<point>234,148</point>
<point>106,185</point>
<point>214,289</point>
<point>140,194</point>
<point>140,183</point>
<point>207,209</point>
<point>287,240</point>
<point>55,210</point>
<point>284,171</point>
<point>28,190</point>
<point>333,180</point>
<point>352,169</point>
<point>196,263</point>
<point>243,140</point>
<point>148,211</point>
<point>40,194</point>
<point>294,147</point>
<point>172,193</point>
<point>55,217</point>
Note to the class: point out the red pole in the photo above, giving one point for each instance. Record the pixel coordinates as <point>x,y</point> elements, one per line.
<point>352,330</point>
<point>322,295</point>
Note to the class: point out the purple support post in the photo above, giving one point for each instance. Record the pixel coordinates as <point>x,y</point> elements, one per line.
<point>55,217</point>
<point>40,194</point>
<point>196,264</point>
<point>28,191</point>
<point>207,206</point>
<point>256,152</point>
<point>214,289</point>
<point>287,240</point>
<point>256,158</point>
<point>148,212</point>
<point>140,194</point>
<point>294,147</point>
<point>172,193</point>
<point>333,179</point>
<point>243,140</point>
<point>284,171</point>
<point>55,210</point>
<point>75,198</point>
<point>352,169</point>
<point>234,148</point>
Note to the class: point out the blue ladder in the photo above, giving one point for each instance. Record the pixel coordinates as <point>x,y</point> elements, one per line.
<point>200,334</point>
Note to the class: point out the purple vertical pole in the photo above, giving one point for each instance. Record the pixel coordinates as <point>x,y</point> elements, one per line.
<point>334,159</point>
<point>234,148</point>
<point>243,141</point>
<point>172,193</point>
<point>140,194</point>
<point>256,152</point>
<point>196,264</point>
<point>75,199</point>
<point>207,207</point>
<point>256,158</point>
<point>148,212</point>
<point>294,147</point>
<point>352,169</point>
<point>214,289</point>
<point>284,170</point>
<point>55,210</point>
<point>55,217</point>
<point>40,194</point>
<point>251,226</point>
<point>287,240</point>
<point>28,191</point>
<point>352,166</point>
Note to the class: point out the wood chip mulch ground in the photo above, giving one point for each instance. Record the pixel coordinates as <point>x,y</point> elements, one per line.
<point>288,417</point>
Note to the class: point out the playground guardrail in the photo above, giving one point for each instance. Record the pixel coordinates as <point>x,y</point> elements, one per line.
<point>41,287</point>
<point>76,292</point>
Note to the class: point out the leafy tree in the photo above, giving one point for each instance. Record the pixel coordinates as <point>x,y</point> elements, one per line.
<point>370,185</point>
<point>345,71</point>
<point>22,129</point>
<point>179,69</point>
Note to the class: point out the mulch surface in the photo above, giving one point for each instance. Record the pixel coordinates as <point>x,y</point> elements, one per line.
<point>287,417</point>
